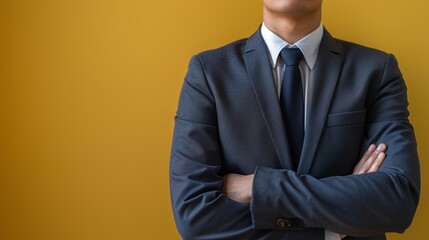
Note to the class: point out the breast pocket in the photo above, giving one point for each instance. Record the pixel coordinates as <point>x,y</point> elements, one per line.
<point>346,118</point>
<point>340,144</point>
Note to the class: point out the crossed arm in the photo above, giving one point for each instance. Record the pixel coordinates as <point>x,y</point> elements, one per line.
<point>238,187</point>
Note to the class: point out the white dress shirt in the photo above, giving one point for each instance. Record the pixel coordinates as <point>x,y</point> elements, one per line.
<point>309,46</point>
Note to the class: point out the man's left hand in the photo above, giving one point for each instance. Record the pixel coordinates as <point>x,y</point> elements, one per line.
<point>238,187</point>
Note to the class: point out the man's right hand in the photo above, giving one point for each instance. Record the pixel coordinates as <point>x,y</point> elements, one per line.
<point>370,162</point>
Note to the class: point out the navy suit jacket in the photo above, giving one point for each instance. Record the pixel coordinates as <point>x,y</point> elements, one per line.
<point>229,121</point>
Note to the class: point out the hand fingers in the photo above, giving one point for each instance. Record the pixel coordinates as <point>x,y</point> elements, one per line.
<point>377,162</point>
<point>373,162</point>
<point>365,157</point>
<point>368,163</point>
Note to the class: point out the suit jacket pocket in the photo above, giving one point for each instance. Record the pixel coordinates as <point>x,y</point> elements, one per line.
<point>346,118</point>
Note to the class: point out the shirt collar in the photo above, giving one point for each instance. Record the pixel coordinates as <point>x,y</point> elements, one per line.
<point>309,45</point>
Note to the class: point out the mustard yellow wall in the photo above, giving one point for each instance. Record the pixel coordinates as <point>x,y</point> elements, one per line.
<point>89,88</point>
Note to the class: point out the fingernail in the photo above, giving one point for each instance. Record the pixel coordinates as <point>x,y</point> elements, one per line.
<point>380,147</point>
<point>380,155</point>
<point>371,147</point>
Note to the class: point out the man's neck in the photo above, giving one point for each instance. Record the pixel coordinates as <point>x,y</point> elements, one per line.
<point>292,28</point>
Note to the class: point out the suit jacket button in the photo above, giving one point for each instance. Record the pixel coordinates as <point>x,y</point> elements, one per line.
<point>283,223</point>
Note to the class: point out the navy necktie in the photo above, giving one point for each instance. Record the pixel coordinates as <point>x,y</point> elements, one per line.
<point>292,101</point>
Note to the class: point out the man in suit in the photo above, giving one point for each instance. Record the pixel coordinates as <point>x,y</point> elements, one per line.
<point>249,161</point>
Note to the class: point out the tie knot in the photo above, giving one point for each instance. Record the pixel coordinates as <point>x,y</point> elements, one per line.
<point>291,56</point>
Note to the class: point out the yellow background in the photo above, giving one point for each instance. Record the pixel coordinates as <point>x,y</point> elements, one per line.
<point>89,88</point>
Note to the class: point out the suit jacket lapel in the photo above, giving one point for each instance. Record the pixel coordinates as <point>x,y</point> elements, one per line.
<point>261,75</point>
<point>327,70</point>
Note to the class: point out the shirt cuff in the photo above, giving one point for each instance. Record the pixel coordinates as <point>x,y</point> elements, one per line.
<point>331,236</point>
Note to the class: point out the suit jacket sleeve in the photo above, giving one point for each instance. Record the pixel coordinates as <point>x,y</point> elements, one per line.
<point>200,209</point>
<point>355,205</point>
